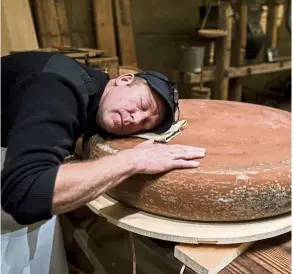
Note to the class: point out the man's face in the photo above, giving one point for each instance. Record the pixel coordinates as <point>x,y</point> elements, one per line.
<point>127,107</point>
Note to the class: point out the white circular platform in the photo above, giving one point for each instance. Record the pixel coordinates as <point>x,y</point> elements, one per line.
<point>180,231</point>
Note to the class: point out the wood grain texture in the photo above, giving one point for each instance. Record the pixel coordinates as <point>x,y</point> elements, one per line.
<point>17,26</point>
<point>208,259</point>
<point>104,26</point>
<point>5,39</point>
<point>272,256</point>
<point>51,21</point>
<point>180,231</point>
<point>80,23</point>
<point>125,35</point>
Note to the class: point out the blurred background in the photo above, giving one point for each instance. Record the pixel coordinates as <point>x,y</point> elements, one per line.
<point>228,50</point>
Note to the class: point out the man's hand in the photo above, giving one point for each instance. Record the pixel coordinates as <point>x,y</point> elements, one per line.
<point>79,183</point>
<point>151,158</point>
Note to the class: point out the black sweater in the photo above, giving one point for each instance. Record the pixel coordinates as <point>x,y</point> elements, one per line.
<point>43,114</point>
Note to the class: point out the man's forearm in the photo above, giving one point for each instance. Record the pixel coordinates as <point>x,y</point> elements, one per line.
<point>79,183</point>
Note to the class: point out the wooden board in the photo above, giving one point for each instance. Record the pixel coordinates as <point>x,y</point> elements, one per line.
<point>17,26</point>
<point>180,231</point>
<point>51,23</point>
<point>264,257</point>
<point>104,23</point>
<point>126,43</point>
<point>80,26</point>
<point>5,41</point>
<point>208,259</point>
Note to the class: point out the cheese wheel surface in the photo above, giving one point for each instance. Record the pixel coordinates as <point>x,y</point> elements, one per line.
<point>245,175</point>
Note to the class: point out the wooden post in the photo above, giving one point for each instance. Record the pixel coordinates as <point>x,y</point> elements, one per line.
<point>223,52</point>
<point>272,25</point>
<point>51,23</point>
<point>104,26</point>
<point>126,43</point>
<point>239,49</point>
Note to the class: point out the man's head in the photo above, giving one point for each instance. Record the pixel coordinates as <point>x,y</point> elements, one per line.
<point>134,103</point>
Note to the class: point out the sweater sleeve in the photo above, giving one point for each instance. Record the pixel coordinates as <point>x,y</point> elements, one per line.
<point>43,134</point>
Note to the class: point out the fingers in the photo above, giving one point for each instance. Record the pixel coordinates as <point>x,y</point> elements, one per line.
<point>186,152</point>
<point>187,148</point>
<point>185,164</point>
<point>188,155</point>
<point>175,152</point>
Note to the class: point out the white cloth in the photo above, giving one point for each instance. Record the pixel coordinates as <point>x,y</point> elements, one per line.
<point>165,137</point>
<point>33,249</point>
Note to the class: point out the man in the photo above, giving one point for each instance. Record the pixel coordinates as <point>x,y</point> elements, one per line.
<point>48,102</point>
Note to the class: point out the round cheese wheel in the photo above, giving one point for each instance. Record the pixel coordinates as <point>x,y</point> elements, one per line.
<point>245,175</point>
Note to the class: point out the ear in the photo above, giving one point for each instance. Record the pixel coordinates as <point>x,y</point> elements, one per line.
<point>124,79</point>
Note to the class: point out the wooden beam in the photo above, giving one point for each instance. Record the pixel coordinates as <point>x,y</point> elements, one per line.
<point>240,49</point>
<point>243,71</point>
<point>223,52</point>
<point>126,43</point>
<point>18,30</point>
<point>259,69</point>
<point>104,26</point>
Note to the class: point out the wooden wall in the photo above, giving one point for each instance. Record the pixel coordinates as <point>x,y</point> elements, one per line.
<point>159,28</point>
<point>17,27</point>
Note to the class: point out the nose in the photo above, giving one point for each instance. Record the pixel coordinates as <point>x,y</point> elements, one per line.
<point>139,117</point>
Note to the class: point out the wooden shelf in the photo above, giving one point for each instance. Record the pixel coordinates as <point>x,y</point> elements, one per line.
<point>239,72</point>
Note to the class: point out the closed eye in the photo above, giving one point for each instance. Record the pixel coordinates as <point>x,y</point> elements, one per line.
<point>144,105</point>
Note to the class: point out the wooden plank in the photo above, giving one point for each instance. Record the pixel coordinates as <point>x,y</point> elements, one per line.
<point>106,64</point>
<point>259,69</point>
<point>5,41</point>
<point>104,26</point>
<point>181,231</point>
<point>79,19</point>
<point>243,71</point>
<point>51,22</point>
<point>126,43</point>
<point>272,256</point>
<point>70,53</point>
<point>208,259</point>
<point>240,49</point>
<point>17,26</point>
<point>223,53</point>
